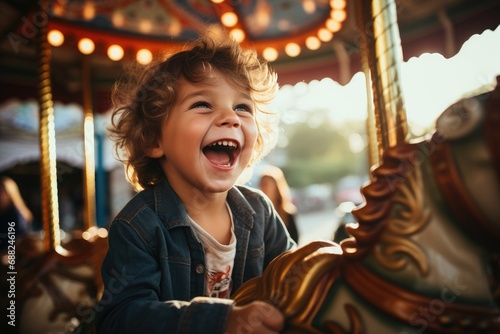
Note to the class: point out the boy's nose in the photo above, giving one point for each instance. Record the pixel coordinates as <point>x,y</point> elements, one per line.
<point>228,117</point>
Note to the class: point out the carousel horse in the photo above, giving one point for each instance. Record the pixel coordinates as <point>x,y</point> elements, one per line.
<point>424,254</point>
<point>56,290</point>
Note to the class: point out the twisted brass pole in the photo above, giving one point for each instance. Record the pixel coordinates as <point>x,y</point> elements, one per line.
<point>48,168</point>
<point>88,139</point>
<point>381,50</point>
<point>374,154</point>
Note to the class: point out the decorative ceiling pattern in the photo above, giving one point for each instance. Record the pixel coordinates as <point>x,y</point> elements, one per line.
<point>164,19</point>
<point>184,19</point>
<point>258,24</point>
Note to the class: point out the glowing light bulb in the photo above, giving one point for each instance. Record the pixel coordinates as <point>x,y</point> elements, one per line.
<point>115,52</point>
<point>88,11</point>
<point>144,56</point>
<point>86,46</point>
<point>325,35</point>
<point>118,20</point>
<point>333,25</point>
<point>229,19</point>
<point>337,4</point>
<point>270,54</point>
<point>338,15</point>
<point>292,49</point>
<point>238,35</point>
<point>313,43</point>
<point>55,38</point>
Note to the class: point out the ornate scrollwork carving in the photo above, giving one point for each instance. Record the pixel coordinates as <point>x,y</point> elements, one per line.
<point>408,216</point>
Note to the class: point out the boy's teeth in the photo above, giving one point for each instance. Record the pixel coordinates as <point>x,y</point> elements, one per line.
<point>224,143</point>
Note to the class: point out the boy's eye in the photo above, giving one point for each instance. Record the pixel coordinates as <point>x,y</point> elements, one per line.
<point>244,107</point>
<point>200,105</point>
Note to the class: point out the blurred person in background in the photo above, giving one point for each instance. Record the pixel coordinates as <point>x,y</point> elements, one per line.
<point>13,211</point>
<point>273,183</point>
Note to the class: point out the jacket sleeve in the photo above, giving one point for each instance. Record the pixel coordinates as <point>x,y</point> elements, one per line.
<point>130,302</point>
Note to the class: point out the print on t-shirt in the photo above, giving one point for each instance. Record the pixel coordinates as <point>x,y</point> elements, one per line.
<point>219,283</point>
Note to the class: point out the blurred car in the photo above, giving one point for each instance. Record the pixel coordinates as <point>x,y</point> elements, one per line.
<point>316,197</point>
<point>348,189</point>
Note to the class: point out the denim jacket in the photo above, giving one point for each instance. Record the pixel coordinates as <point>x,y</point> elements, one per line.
<point>154,271</point>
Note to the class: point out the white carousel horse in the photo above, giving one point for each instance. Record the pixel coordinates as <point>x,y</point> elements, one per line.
<point>424,255</point>
<point>56,289</point>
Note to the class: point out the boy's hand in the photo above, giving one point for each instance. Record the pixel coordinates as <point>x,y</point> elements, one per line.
<point>257,317</point>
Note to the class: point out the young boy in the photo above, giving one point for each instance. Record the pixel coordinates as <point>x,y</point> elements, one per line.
<point>189,128</point>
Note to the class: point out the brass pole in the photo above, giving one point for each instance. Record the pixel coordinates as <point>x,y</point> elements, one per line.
<point>381,48</point>
<point>88,139</point>
<point>48,168</point>
<point>373,146</point>
<point>374,142</point>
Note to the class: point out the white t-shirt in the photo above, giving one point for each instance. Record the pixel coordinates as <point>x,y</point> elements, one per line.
<point>219,261</point>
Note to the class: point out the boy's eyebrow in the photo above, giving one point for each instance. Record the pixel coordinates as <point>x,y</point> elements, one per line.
<point>207,93</point>
<point>197,93</point>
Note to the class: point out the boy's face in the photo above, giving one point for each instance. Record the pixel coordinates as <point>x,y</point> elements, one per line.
<point>208,138</point>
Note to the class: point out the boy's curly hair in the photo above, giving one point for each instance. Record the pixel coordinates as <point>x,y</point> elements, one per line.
<point>141,104</point>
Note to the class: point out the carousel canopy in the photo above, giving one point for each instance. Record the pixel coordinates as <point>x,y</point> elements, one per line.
<point>305,40</point>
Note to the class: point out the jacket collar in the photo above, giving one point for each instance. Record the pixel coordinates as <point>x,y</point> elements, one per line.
<point>172,212</point>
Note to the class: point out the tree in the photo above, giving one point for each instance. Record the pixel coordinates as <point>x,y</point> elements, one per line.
<point>319,151</point>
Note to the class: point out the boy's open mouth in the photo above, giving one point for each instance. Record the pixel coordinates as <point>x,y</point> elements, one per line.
<point>222,153</point>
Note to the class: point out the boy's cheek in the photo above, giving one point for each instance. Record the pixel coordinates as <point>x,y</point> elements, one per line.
<point>252,133</point>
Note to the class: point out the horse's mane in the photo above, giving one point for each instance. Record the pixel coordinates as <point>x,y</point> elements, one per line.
<point>399,163</point>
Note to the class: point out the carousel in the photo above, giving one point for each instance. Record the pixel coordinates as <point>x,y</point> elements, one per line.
<point>423,255</point>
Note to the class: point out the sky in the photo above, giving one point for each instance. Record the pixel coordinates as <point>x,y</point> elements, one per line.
<point>430,83</point>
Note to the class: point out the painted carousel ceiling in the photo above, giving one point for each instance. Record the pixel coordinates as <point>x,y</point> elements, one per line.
<point>280,26</point>
<point>181,20</point>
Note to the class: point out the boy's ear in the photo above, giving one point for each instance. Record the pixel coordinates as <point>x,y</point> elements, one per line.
<point>155,152</point>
